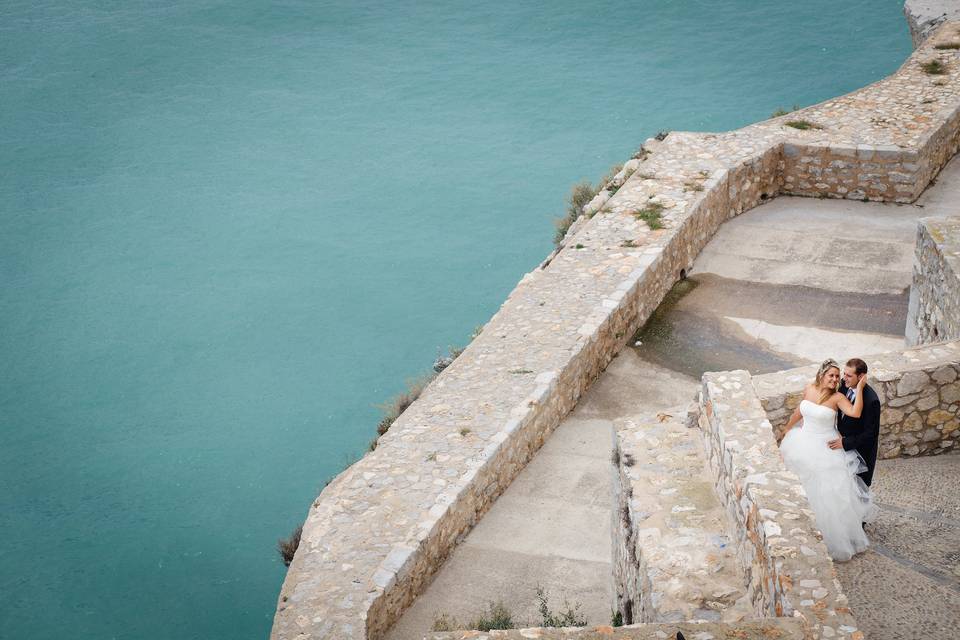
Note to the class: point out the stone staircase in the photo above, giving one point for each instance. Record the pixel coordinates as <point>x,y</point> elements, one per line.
<point>673,559</point>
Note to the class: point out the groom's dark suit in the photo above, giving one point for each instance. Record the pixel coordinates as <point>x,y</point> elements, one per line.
<point>862,433</point>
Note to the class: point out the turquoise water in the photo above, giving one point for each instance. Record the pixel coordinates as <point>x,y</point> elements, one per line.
<point>227,231</point>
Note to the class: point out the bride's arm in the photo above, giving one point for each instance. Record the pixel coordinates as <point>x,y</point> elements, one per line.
<point>791,423</point>
<point>794,419</point>
<point>853,410</point>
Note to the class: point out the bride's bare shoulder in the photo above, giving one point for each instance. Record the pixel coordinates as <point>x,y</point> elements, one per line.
<point>834,399</point>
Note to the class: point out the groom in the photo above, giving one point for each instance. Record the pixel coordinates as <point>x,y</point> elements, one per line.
<point>860,433</point>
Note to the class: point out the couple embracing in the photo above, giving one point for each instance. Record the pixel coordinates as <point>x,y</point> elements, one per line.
<point>834,451</point>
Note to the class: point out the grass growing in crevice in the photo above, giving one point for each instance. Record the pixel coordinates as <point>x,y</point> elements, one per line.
<point>933,67</point>
<point>444,622</point>
<point>288,546</point>
<point>780,111</point>
<point>395,406</point>
<point>616,619</point>
<point>580,196</point>
<point>803,125</point>
<point>497,616</point>
<point>652,214</point>
<point>568,616</point>
<point>609,181</point>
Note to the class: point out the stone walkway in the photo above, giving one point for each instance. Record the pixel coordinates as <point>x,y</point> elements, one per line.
<point>907,585</point>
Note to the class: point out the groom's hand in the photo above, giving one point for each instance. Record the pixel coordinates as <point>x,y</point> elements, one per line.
<point>836,443</point>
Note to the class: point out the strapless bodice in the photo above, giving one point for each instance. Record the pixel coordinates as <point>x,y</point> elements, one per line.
<point>818,418</point>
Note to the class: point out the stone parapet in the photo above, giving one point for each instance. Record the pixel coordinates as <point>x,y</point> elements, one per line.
<point>787,568</point>
<point>375,536</point>
<point>672,555</point>
<point>919,391</point>
<point>934,311</point>
<point>779,629</point>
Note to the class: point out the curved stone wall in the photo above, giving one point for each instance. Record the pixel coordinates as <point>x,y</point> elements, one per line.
<point>374,537</point>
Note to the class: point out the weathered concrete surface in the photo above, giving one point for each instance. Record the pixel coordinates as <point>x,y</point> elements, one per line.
<point>907,586</point>
<point>923,16</point>
<point>836,245</point>
<point>552,525</point>
<point>795,281</point>
<point>788,283</point>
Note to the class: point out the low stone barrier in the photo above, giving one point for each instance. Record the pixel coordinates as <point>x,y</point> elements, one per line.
<point>781,629</point>
<point>787,569</point>
<point>375,536</point>
<point>919,392</point>
<point>672,558</point>
<point>934,311</point>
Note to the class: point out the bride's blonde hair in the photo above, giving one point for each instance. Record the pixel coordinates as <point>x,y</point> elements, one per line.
<point>825,366</point>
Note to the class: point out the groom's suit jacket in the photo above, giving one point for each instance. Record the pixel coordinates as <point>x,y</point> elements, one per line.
<point>863,433</point>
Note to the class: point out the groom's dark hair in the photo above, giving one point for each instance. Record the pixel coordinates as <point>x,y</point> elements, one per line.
<point>859,366</point>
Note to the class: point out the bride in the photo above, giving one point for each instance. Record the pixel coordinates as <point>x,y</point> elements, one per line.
<point>840,499</point>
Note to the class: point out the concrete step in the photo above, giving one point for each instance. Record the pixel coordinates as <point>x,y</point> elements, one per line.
<point>673,559</point>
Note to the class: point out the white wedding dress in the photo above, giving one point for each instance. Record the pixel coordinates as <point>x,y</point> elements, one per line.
<point>838,496</point>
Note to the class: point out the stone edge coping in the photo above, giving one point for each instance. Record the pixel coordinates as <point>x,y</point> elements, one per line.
<point>779,628</point>
<point>788,569</point>
<point>944,231</point>
<point>400,557</point>
<point>883,367</point>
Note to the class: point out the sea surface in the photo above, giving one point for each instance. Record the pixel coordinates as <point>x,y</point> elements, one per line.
<point>229,230</point>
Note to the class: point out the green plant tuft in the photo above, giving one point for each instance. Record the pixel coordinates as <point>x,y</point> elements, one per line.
<point>934,67</point>
<point>616,620</point>
<point>580,196</point>
<point>444,622</point>
<point>569,617</point>
<point>497,616</point>
<point>652,214</point>
<point>288,546</point>
<point>803,125</point>
<point>780,111</point>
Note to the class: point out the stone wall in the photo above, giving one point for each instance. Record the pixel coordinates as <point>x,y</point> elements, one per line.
<point>786,565</point>
<point>630,576</point>
<point>783,629</point>
<point>919,392</point>
<point>883,173</point>
<point>934,311</point>
<point>375,536</point>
